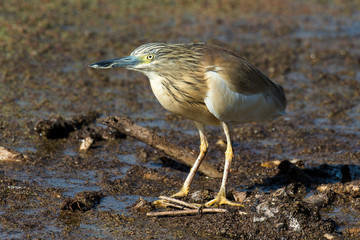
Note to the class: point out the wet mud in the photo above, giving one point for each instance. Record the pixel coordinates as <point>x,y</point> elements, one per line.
<point>297,176</point>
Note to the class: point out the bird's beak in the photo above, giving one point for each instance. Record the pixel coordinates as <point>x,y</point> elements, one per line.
<point>129,61</point>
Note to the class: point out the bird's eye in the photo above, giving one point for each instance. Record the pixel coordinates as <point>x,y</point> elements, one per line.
<point>150,57</point>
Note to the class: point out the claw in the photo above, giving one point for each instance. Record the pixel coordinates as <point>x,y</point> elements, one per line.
<point>182,193</point>
<point>160,203</point>
<point>220,200</point>
<point>163,203</point>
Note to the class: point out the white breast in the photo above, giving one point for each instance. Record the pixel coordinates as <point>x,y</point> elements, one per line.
<point>156,86</point>
<point>161,93</point>
<point>230,106</point>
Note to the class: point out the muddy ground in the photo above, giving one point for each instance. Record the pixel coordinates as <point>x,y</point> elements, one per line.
<point>297,176</point>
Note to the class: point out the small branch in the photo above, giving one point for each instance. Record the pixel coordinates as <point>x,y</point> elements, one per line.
<point>186,212</point>
<point>177,201</point>
<point>167,204</point>
<point>147,136</point>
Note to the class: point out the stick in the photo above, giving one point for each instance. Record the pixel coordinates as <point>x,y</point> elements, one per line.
<point>177,201</point>
<point>147,136</point>
<point>185,212</point>
<point>167,204</point>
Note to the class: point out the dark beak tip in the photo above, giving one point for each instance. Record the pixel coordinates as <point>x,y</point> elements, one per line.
<point>100,65</point>
<point>93,65</point>
<point>114,63</point>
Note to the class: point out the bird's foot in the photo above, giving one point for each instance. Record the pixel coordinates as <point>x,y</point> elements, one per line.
<point>220,200</point>
<point>160,203</point>
<point>182,193</point>
<point>175,203</point>
<point>163,203</point>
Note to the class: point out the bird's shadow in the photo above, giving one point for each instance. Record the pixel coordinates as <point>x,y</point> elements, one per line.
<point>168,162</point>
<point>310,177</point>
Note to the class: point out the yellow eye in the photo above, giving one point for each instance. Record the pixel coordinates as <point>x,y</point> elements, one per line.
<point>150,56</point>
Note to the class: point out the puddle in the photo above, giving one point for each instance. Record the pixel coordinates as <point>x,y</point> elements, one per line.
<point>121,204</point>
<point>346,217</point>
<point>84,181</point>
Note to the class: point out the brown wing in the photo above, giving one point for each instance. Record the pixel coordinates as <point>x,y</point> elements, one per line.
<point>241,76</point>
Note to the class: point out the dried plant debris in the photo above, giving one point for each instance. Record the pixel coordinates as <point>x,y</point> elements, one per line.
<point>82,202</point>
<point>142,206</point>
<point>61,128</point>
<point>7,154</point>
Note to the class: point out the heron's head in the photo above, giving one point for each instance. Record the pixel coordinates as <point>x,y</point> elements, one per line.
<point>154,57</point>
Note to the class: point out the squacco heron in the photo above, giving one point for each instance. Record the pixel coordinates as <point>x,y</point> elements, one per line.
<point>209,85</point>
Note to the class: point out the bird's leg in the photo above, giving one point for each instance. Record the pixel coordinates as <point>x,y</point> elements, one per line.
<point>221,196</point>
<point>203,150</point>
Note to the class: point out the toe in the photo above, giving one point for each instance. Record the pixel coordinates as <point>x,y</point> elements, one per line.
<point>181,193</point>
<point>220,200</point>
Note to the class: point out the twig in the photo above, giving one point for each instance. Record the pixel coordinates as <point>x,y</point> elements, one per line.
<point>147,136</point>
<point>177,201</point>
<point>167,204</point>
<point>185,212</point>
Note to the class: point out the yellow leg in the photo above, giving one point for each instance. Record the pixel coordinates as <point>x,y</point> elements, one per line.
<point>221,196</point>
<point>203,150</point>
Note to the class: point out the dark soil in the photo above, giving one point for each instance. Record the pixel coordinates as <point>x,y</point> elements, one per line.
<point>298,176</point>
